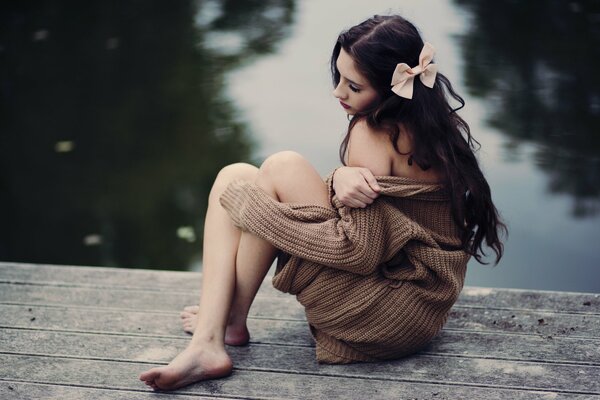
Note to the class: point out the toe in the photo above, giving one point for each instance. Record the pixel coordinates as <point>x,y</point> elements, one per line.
<point>150,376</point>
<point>192,309</point>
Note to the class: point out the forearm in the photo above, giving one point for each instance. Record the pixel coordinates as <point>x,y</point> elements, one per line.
<point>312,232</point>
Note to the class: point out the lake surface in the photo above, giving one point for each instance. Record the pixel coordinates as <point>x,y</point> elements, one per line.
<point>115,118</point>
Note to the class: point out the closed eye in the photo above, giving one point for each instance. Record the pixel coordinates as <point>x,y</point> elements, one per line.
<point>354,88</point>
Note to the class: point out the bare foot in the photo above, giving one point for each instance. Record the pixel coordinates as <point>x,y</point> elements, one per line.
<point>234,335</point>
<point>189,315</point>
<point>191,365</point>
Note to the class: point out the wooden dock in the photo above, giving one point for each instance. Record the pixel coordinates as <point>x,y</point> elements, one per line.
<point>87,333</point>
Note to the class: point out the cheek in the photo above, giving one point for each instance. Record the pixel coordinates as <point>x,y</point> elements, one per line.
<point>367,99</point>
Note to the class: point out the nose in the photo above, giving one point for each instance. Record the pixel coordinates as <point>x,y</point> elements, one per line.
<point>338,92</point>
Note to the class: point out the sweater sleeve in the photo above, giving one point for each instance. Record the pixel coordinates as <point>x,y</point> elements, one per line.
<point>350,239</point>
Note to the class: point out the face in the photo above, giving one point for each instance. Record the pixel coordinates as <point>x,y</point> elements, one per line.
<point>353,90</point>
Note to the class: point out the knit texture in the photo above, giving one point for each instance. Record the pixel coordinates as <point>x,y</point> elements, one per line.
<point>377,282</point>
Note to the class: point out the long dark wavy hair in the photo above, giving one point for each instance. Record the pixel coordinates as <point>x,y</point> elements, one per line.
<point>440,137</point>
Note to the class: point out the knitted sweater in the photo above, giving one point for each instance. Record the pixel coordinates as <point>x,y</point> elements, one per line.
<point>377,282</point>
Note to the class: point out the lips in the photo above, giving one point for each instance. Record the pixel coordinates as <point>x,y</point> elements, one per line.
<point>346,106</point>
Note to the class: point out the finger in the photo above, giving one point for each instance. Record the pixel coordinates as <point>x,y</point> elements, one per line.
<point>352,203</point>
<point>366,195</point>
<point>371,181</point>
<point>364,192</point>
<point>358,197</point>
<point>358,204</point>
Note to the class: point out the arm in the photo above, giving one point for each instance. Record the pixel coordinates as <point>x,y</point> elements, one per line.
<point>353,240</point>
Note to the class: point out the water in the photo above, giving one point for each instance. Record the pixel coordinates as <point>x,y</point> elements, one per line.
<point>111,137</point>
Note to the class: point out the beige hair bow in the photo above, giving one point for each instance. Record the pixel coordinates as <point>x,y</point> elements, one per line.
<point>404,76</point>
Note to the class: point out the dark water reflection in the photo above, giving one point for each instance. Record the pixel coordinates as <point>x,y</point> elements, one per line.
<point>115,118</point>
<point>114,122</point>
<point>537,64</point>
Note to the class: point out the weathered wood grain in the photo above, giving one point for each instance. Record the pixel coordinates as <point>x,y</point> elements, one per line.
<point>286,307</point>
<point>298,360</point>
<point>98,276</point>
<point>457,343</point>
<point>252,384</point>
<point>529,299</point>
<point>283,306</point>
<point>101,277</point>
<point>547,323</point>
<point>168,322</point>
<point>11,390</point>
<point>132,299</point>
<point>73,332</point>
<point>139,323</point>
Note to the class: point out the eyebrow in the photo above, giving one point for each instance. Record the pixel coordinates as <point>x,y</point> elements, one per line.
<point>352,82</point>
<point>348,79</point>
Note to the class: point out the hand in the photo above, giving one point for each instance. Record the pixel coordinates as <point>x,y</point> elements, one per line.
<point>355,187</point>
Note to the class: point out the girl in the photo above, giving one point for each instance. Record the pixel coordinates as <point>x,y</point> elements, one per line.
<point>377,253</point>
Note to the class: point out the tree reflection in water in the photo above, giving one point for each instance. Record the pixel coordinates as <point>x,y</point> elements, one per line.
<point>114,123</point>
<point>536,63</point>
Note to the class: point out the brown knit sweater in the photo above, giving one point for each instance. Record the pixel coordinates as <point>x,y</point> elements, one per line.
<point>376,282</point>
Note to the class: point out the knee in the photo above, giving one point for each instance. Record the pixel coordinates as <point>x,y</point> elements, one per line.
<point>234,171</point>
<point>280,162</point>
<point>230,173</point>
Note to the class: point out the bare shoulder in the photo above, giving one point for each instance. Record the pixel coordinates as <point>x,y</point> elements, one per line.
<point>369,148</point>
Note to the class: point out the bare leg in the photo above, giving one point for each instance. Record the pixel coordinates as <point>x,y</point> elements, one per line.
<point>221,241</point>
<point>287,177</point>
<point>254,257</point>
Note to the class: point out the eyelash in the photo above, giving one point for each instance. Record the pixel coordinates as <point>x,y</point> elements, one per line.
<point>354,89</point>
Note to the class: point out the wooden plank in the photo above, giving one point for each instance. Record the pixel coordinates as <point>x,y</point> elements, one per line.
<point>530,299</point>
<point>253,384</point>
<point>486,344</point>
<point>99,276</point>
<point>86,320</point>
<point>535,322</point>
<point>132,299</point>
<point>102,277</point>
<point>545,323</point>
<point>293,359</point>
<point>26,391</point>
<point>504,342</point>
<point>168,323</point>
<point>516,347</point>
<point>140,299</point>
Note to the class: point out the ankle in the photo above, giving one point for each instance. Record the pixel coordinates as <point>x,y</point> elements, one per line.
<point>237,321</point>
<point>207,339</point>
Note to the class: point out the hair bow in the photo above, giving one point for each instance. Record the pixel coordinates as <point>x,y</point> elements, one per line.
<point>404,76</point>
